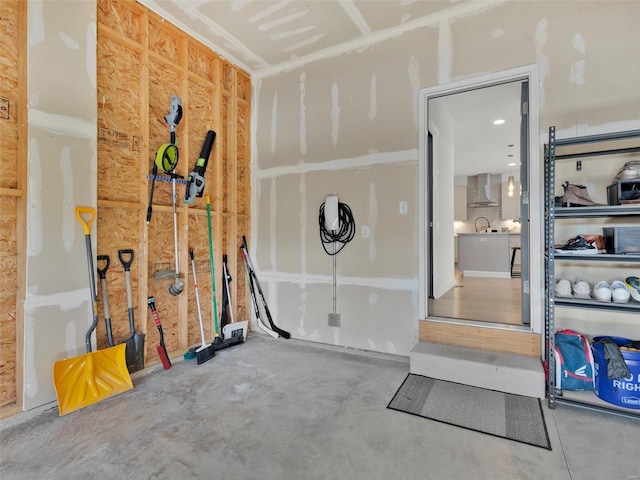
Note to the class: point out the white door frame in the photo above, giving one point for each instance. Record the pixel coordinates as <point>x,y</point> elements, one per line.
<point>535,197</point>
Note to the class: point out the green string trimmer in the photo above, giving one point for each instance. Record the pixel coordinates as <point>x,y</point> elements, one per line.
<point>167,158</point>
<point>168,154</point>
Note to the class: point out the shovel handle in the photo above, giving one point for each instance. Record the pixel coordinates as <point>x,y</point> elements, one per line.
<point>126,264</point>
<point>92,216</point>
<point>102,272</point>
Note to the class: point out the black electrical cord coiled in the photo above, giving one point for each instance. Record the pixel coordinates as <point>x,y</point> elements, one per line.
<point>344,234</point>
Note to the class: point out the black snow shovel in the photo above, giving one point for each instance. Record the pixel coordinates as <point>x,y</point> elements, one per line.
<point>135,343</point>
<point>102,272</point>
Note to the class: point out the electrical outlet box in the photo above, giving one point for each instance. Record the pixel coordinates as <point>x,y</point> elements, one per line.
<point>335,320</point>
<point>403,208</point>
<point>365,231</point>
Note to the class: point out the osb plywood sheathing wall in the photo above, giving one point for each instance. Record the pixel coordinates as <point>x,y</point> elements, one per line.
<point>143,61</point>
<point>13,148</point>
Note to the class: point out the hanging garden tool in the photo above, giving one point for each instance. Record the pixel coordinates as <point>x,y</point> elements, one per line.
<point>87,379</point>
<point>102,273</point>
<point>135,343</point>
<point>195,180</point>
<point>177,286</point>
<point>167,155</point>
<point>161,347</point>
<point>167,159</point>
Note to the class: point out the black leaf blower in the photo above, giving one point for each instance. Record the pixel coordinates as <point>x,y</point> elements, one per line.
<point>195,181</point>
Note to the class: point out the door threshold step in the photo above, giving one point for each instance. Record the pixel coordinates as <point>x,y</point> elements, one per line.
<point>504,372</point>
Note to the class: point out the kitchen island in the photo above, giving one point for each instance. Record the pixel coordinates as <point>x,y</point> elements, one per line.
<point>485,254</point>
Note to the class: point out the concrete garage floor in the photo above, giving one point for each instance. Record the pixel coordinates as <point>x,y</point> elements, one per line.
<point>285,409</point>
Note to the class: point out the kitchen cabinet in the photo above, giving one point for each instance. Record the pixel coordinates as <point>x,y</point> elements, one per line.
<point>620,319</point>
<point>484,254</point>
<point>460,202</point>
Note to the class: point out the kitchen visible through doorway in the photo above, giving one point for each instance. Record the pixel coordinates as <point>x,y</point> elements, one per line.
<point>478,146</point>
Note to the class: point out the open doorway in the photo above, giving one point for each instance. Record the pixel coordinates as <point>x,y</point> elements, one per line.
<point>476,201</point>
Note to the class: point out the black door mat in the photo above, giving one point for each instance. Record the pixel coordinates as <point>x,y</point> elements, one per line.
<point>514,417</point>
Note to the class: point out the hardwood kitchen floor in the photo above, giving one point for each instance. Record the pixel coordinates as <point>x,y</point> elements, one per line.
<point>479,298</point>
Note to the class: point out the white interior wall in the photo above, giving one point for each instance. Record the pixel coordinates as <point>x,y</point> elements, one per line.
<point>441,127</point>
<point>348,124</point>
<point>62,174</point>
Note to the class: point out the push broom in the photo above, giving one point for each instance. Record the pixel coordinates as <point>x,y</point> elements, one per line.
<point>218,341</point>
<point>205,351</point>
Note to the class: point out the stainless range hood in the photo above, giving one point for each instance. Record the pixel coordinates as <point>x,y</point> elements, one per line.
<point>481,195</point>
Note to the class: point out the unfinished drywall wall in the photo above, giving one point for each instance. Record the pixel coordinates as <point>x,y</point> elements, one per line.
<point>62,175</point>
<point>343,124</point>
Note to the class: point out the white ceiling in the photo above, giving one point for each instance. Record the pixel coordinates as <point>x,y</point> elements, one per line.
<point>479,145</point>
<point>266,37</point>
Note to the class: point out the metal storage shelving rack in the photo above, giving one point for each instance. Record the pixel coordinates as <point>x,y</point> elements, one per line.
<point>554,395</point>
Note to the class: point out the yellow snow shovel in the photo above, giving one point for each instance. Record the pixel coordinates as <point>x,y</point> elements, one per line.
<point>84,380</point>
